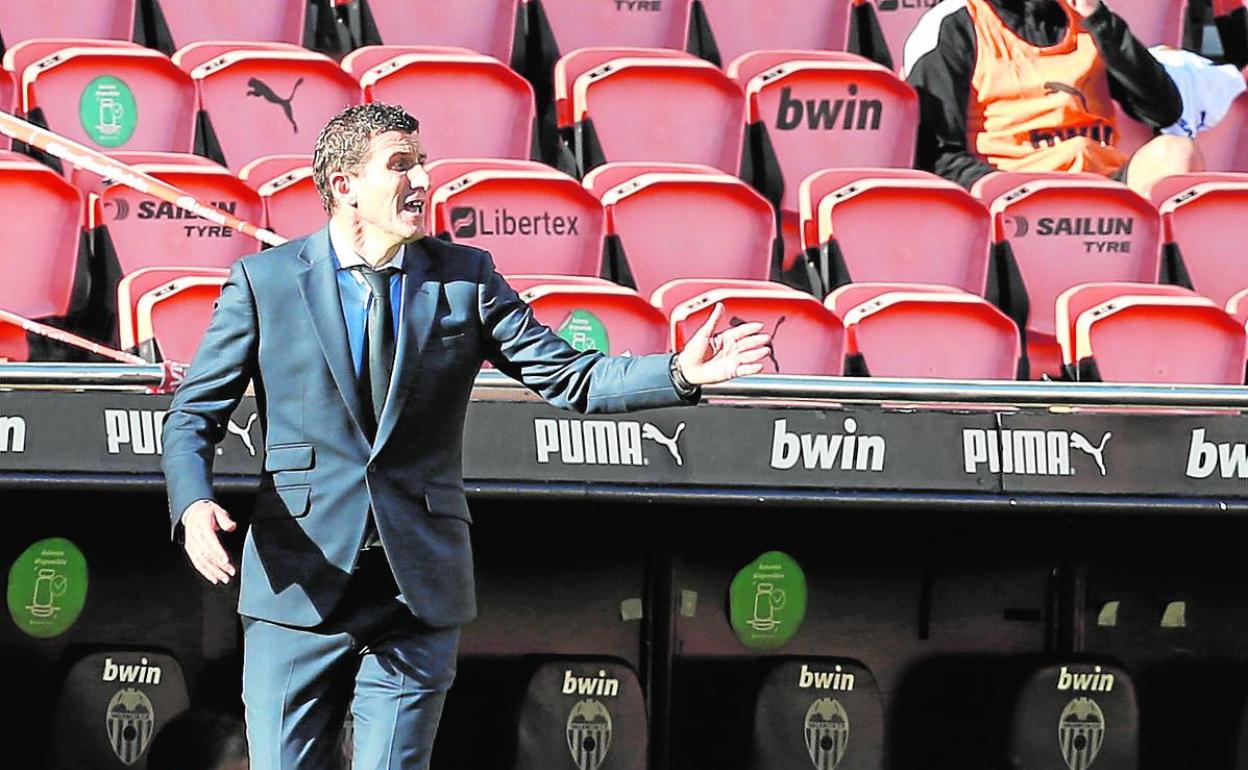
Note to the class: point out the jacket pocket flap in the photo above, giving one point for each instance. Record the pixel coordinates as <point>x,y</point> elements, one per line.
<point>289,457</point>
<point>447,501</point>
<point>296,498</point>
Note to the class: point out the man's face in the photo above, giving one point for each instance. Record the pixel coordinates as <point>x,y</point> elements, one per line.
<point>387,194</point>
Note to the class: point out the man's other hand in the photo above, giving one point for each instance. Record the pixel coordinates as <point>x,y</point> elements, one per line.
<point>710,358</point>
<point>202,523</point>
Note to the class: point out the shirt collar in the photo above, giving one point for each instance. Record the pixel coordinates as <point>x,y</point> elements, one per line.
<point>347,258</point>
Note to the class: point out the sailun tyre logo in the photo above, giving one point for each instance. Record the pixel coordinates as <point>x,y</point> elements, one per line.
<point>827,733</point>
<point>1080,733</point>
<point>589,732</point>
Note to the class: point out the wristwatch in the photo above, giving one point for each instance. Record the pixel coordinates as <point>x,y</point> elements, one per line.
<point>684,388</point>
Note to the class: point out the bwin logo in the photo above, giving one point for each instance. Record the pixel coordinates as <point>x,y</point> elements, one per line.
<point>128,673</point>
<point>853,114</point>
<point>825,680</point>
<point>601,685</point>
<point>12,435</point>
<point>1204,458</point>
<point>827,733</point>
<point>823,451</point>
<point>137,428</point>
<point>1085,682</point>
<point>1028,452</point>
<point>600,442</point>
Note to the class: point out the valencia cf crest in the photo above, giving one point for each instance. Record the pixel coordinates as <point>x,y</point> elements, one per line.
<point>131,723</point>
<point>827,733</point>
<point>589,734</point>
<point>1080,732</point>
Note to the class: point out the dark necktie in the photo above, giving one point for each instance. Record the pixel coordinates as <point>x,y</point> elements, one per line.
<point>378,341</point>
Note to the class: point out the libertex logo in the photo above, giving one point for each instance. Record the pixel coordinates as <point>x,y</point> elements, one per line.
<point>470,222</point>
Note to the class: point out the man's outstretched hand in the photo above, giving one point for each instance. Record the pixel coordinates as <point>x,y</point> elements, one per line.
<point>710,358</point>
<point>202,523</point>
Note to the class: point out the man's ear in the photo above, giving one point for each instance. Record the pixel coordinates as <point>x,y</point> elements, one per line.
<point>340,185</point>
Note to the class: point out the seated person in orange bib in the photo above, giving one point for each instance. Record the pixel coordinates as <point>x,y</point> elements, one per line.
<point>1029,85</point>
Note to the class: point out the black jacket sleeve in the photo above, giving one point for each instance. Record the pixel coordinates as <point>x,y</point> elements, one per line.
<point>941,74</point>
<point>1136,80</point>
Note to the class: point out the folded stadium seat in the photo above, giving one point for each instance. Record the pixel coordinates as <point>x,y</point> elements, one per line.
<point>522,281</point>
<point>1203,226</point>
<point>662,226</point>
<point>837,704</point>
<point>191,55</point>
<point>586,713</point>
<point>107,97</point>
<point>1076,300</point>
<point>1076,715</point>
<point>469,105</point>
<point>1225,146</point>
<point>608,176</point>
<point>935,332</point>
<point>264,102</point>
<point>42,254</point>
<point>897,228</point>
<point>92,183</point>
<point>110,706</point>
<point>13,344</point>
<point>612,319</point>
<point>1163,339</point>
<point>531,221</point>
<point>897,20</point>
<point>292,204</point>
<point>134,230</point>
<point>443,171</point>
<point>484,26</point>
<point>722,30</point>
<point>656,109</point>
<point>1154,22</point>
<point>19,56</point>
<point>1051,232</point>
<point>680,290</point>
<point>575,63</point>
<point>1237,306</point>
<point>362,60</point>
<point>8,102</point>
<point>90,19</point>
<point>134,285</point>
<point>806,338</point>
<point>177,23</point>
<point>268,167</point>
<point>170,320</point>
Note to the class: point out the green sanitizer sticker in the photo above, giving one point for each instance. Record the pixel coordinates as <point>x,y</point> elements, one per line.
<point>767,601</point>
<point>584,331</point>
<point>108,111</point>
<point>48,587</point>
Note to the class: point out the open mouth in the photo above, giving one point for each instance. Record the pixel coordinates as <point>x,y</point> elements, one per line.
<point>414,205</point>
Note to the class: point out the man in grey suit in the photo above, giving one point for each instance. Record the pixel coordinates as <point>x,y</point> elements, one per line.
<point>362,341</point>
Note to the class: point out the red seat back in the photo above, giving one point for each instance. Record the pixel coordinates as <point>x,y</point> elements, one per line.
<point>175,316</point>
<point>897,20</point>
<point>292,204</point>
<point>278,21</point>
<point>13,343</point>
<point>1076,300</point>
<point>191,55</point>
<point>133,286</point>
<point>90,182</point>
<point>845,298</point>
<point>93,19</point>
<point>1154,22</point>
<point>269,167</point>
<point>522,281</point>
<point>739,26</point>
<point>39,250</point>
<point>468,105</point>
<point>814,187</point>
<point>680,290</point>
<point>1225,146</point>
<point>443,171</point>
<point>19,56</point>
<point>485,26</point>
<point>608,176</point>
<point>609,318</point>
<point>1208,223</point>
<point>8,102</point>
<point>575,63</point>
<point>578,24</point>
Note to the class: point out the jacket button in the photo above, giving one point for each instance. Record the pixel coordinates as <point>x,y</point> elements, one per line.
<point>372,467</point>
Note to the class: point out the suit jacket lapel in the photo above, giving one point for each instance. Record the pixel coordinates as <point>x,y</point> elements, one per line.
<point>318,283</point>
<point>420,304</point>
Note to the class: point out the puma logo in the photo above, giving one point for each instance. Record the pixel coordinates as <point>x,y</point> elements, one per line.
<point>1097,453</point>
<point>651,432</point>
<point>1054,88</point>
<point>737,321</point>
<point>261,89</point>
<point>244,432</point>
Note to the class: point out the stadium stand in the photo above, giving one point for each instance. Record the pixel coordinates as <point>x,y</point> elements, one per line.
<point>662,226</point>
<point>170,320</point>
<point>253,103</point>
<point>106,96</point>
<point>654,108</point>
<point>292,204</point>
<point>531,220</point>
<point>805,337</point>
<point>469,105</point>
<point>1118,334</point>
<point>268,167</point>
<point>176,23</point>
<point>613,319</point>
<point>679,290</point>
<point>42,253</point>
<point>486,26</point>
<point>923,330</point>
<point>1201,219</point>
<point>135,285</point>
<point>721,30</point>
<point>858,233</point>
<point>90,19</point>
<point>1051,232</point>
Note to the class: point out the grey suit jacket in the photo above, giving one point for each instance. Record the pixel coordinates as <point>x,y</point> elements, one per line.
<point>279,324</point>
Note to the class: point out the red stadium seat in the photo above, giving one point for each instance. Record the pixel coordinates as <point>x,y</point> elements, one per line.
<point>1076,300</point>
<point>269,102</point>
<point>269,167</point>
<point>522,281</point>
<point>530,221</point>
<point>1132,134</point>
<point>13,343</point>
<point>20,56</point>
<point>805,337</point>
<point>171,319</point>
<point>1225,146</point>
<point>110,97</point>
<point>821,183</point>
<point>573,64</point>
<point>362,60</point>
<point>1237,306</point>
<point>1164,339</point>
<point>39,253</point>
<point>8,102</point>
<point>443,171</point>
<point>608,176</point>
<point>810,114</point>
<point>689,226</point>
<point>577,24</point>
<point>469,105</point>
<point>146,232</point>
<point>900,229</point>
<point>612,319</point>
<point>754,63</point>
<point>1154,22</point>
<point>657,109</point>
<point>1055,232</point>
<point>898,18</point>
<point>90,182</point>
<point>90,19</point>
<point>1204,229</point>
<point>485,26</point>
<point>680,290</point>
<point>733,27</point>
<point>292,204</point>
<point>190,56</point>
<point>133,286</point>
<point>896,330</point>
<point>279,21</point>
